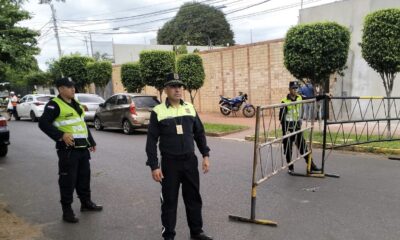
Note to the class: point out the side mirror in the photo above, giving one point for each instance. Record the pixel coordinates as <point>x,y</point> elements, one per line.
<point>101,105</point>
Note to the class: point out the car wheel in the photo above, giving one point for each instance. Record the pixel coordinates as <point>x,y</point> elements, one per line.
<point>33,116</point>
<point>97,124</point>
<point>127,127</point>
<point>3,150</point>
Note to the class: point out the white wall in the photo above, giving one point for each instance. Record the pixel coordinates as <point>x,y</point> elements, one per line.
<point>360,79</point>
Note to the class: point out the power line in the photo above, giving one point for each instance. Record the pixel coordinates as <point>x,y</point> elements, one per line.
<point>277,9</point>
<point>159,12</point>
<point>136,24</point>
<point>247,7</point>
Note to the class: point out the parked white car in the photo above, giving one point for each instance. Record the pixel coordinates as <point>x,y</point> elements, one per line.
<point>32,106</point>
<point>90,103</point>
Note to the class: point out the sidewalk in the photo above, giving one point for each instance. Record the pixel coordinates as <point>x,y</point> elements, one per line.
<point>234,120</point>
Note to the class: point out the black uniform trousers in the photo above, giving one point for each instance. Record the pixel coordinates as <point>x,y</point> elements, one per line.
<point>74,173</point>
<point>177,170</point>
<point>298,139</point>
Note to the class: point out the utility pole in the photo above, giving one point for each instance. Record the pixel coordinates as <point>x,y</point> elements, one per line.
<point>87,46</point>
<point>91,43</point>
<point>53,12</point>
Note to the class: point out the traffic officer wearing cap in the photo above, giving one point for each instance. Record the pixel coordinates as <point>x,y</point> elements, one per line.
<point>176,126</point>
<point>290,118</point>
<point>63,121</point>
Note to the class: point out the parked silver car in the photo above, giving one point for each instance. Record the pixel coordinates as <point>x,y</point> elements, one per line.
<point>125,110</point>
<point>90,103</point>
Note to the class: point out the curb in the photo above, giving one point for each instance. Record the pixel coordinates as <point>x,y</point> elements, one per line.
<point>216,134</point>
<point>365,149</point>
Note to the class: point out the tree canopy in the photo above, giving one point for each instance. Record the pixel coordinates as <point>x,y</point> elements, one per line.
<point>155,65</point>
<point>380,44</point>
<point>131,77</point>
<point>18,44</point>
<point>75,66</point>
<point>191,72</point>
<point>197,24</point>
<point>99,73</point>
<point>315,51</point>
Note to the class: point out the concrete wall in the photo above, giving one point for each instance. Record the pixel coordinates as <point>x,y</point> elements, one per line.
<point>360,79</point>
<point>256,69</point>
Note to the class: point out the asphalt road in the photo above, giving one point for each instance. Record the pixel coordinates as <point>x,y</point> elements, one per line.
<point>362,204</point>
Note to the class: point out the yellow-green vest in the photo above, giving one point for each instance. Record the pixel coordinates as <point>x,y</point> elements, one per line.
<point>69,120</point>
<point>164,112</point>
<point>292,111</point>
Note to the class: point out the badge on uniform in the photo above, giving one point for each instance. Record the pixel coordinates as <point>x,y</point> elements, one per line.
<point>187,110</point>
<point>179,129</point>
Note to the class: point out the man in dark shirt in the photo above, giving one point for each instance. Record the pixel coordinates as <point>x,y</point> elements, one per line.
<point>63,121</point>
<point>307,92</point>
<point>176,125</point>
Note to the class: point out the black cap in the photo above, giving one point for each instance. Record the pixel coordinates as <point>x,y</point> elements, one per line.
<point>173,80</point>
<point>294,84</point>
<point>65,82</point>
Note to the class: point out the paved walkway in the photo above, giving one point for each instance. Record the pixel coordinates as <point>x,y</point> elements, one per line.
<point>235,120</point>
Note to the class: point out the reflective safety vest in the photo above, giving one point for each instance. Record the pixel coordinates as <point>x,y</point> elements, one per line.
<point>292,112</point>
<point>69,121</point>
<point>164,112</point>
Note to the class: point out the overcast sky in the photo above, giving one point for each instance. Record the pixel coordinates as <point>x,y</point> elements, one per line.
<point>251,21</point>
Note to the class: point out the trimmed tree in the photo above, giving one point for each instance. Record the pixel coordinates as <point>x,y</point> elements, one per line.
<point>315,51</point>
<point>75,66</point>
<point>199,24</point>
<point>155,65</point>
<point>191,72</point>
<point>100,74</point>
<point>380,47</point>
<point>131,77</point>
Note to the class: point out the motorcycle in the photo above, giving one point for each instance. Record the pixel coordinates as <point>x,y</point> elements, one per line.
<point>233,105</point>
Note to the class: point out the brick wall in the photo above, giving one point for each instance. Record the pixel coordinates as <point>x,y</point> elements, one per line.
<point>256,69</point>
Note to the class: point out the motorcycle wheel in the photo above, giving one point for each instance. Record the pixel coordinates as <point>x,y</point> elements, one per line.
<point>249,111</point>
<point>224,111</point>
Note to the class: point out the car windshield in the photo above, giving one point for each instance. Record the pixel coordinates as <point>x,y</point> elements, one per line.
<point>145,101</point>
<point>44,98</point>
<point>90,99</point>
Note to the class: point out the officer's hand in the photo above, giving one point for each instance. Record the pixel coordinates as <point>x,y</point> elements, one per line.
<point>92,149</point>
<point>68,139</point>
<point>206,165</point>
<point>157,175</point>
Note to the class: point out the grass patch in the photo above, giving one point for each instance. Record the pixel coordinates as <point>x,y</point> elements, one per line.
<point>352,138</point>
<point>216,128</point>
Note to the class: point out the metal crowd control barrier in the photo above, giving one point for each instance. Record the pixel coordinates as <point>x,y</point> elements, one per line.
<point>272,144</point>
<point>360,120</point>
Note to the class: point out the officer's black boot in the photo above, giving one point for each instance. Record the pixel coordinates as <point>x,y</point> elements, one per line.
<point>68,214</point>
<point>314,168</point>
<point>88,205</point>
<point>200,236</point>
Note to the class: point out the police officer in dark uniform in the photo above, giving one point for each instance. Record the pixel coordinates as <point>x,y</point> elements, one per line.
<point>290,118</point>
<point>176,126</point>
<point>63,121</point>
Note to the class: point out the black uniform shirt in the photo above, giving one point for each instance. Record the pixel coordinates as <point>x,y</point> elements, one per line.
<point>173,144</point>
<point>51,112</point>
